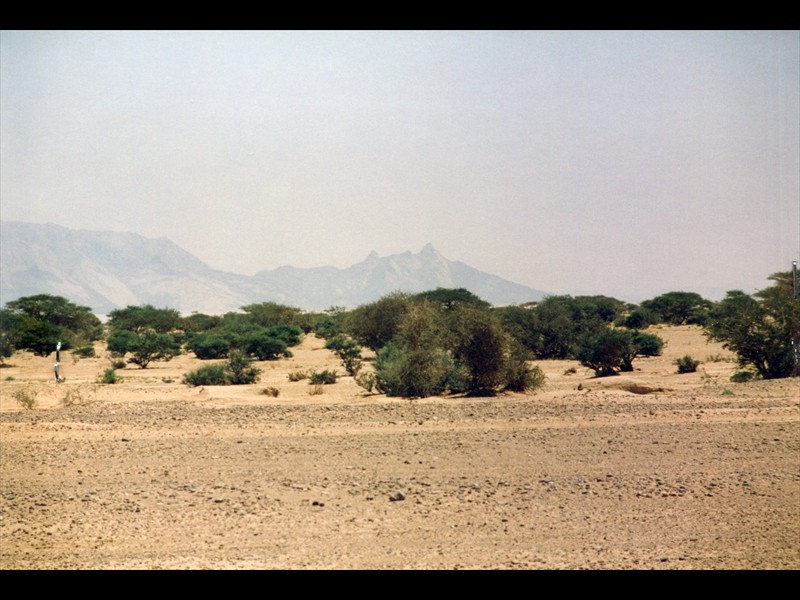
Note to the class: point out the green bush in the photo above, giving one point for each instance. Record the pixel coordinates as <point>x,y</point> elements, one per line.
<point>85,352</point>
<point>604,351</point>
<point>742,376</point>
<point>417,372</point>
<point>678,308</point>
<point>519,376</point>
<point>366,380</point>
<point>758,328</point>
<point>265,346</point>
<point>348,351</point>
<point>240,370</point>
<point>641,344</point>
<point>119,364</point>
<point>374,325</point>
<point>686,364</point>
<point>298,375</point>
<point>108,376</point>
<point>37,323</point>
<point>325,377</point>
<point>209,347</point>
<point>206,375</point>
<point>146,317</point>
<point>150,346</point>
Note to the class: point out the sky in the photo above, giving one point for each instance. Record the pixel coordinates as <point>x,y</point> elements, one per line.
<point>626,163</point>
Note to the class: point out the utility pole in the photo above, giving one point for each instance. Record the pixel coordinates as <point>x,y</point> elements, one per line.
<point>795,349</point>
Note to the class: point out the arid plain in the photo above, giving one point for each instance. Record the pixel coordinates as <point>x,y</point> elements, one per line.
<point>648,470</point>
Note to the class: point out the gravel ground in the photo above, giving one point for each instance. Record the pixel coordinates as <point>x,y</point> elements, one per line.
<point>698,473</point>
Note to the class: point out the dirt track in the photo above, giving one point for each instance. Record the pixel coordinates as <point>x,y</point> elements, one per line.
<point>700,473</point>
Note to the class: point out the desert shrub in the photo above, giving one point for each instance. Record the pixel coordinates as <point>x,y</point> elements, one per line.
<point>271,391</point>
<point>686,364</point>
<point>348,351</point>
<point>26,397</point>
<point>325,377</point>
<point>715,358</point>
<point>74,396</point>
<point>742,376</point>
<point>519,376</point>
<point>209,347</point>
<point>85,352</point>
<point>119,364</point>
<point>108,376</point>
<point>265,346</point>
<point>417,372</point>
<point>206,375</point>
<point>604,351</point>
<point>9,378</point>
<point>291,335</point>
<point>240,369</point>
<point>316,390</point>
<point>366,380</point>
<point>298,375</point>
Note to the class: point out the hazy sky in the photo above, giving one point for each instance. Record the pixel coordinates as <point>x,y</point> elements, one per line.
<point>627,163</point>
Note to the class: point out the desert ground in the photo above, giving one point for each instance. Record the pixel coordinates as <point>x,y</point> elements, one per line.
<point>647,470</point>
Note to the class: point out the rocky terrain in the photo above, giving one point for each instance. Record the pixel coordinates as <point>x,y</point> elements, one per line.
<point>650,470</point>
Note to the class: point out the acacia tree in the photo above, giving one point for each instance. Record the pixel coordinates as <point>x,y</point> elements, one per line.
<point>678,308</point>
<point>149,346</point>
<point>758,328</point>
<point>43,320</point>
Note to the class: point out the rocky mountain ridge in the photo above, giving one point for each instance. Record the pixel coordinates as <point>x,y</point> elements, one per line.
<point>108,270</point>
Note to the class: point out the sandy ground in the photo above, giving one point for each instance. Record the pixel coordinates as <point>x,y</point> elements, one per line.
<point>148,473</point>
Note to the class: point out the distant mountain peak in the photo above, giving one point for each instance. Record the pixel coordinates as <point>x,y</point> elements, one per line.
<point>108,270</point>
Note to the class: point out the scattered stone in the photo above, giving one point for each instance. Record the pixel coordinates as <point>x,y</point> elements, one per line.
<point>397,496</point>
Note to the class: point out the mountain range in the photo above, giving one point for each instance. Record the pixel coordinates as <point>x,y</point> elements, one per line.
<point>108,270</point>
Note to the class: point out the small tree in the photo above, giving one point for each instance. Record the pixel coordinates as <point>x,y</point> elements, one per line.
<point>348,351</point>
<point>206,347</point>
<point>678,308</point>
<point>150,346</point>
<point>479,344</point>
<point>206,375</point>
<point>240,369</point>
<point>143,318</point>
<point>374,325</point>
<point>641,344</point>
<point>265,346</point>
<point>758,328</point>
<point>604,351</point>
